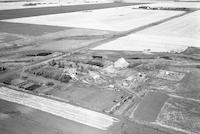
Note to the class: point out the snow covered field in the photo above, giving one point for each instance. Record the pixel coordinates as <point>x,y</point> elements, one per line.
<point>143,42</point>
<point>187,26</point>
<point>113,19</point>
<point>174,35</point>
<point>175,4</point>
<point>45,3</point>
<point>20,5</point>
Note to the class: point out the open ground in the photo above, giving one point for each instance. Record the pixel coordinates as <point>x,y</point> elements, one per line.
<point>109,68</point>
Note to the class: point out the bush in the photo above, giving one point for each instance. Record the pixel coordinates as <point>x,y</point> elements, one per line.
<point>65,78</point>
<point>2,68</point>
<point>95,63</point>
<point>52,63</point>
<point>49,84</point>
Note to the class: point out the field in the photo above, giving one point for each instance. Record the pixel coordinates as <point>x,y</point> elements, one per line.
<point>190,86</point>
<point>174,35</point>
<point>103,19</point>
<point>181,114</point>
<point>22,4</point>
<point>74,113</point>
<point>136,42</point>
<point>20,119</point>
<point>67,40</point>
<point>185,27</point>
<point>150,106</point>
<point>194,4</point>
<point>5,38</point>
